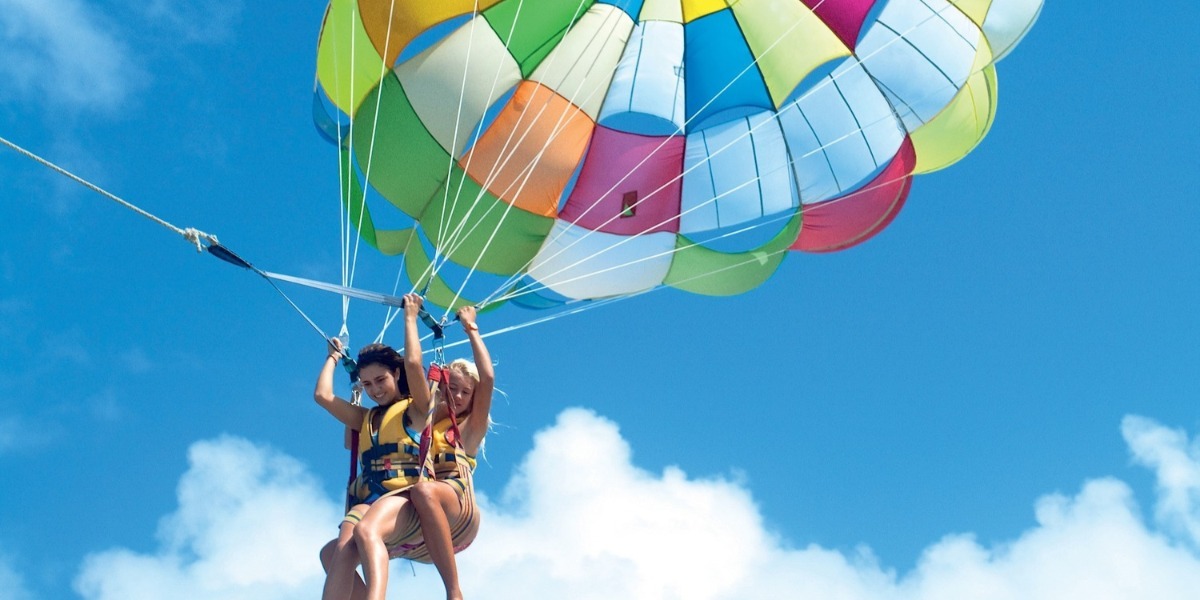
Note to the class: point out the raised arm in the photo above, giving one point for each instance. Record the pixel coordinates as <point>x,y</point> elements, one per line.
<point>342,410</point>
<point>414,365</point>
<point>476,427</point>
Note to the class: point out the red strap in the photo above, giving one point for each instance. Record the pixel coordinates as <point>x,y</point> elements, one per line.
<point>440,376</point>
<point>426,434</point>
<point>445,385</point>
<point>353,467</point>
<point>435,373</point>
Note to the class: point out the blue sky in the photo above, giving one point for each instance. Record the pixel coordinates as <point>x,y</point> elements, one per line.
<point>1001,387</point>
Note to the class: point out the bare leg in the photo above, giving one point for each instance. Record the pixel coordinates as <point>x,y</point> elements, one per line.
<point>339,558</point>
<point>435,502</point>
<point>369,536</point>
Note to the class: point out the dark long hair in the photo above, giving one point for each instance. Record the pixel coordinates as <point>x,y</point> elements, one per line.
<point>386,357</point>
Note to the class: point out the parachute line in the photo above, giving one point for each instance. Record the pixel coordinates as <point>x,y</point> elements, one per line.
<point>462,92</point>
<point>371,150</point>
<point>453,244</point>
<point>449,237</point>
<point>453,236</point>
<point>708,157</point>
<point>589,305</point>
<point>345,175</point>
<point>433,268</point>
<point>395,301</point>
<point>443,225</point>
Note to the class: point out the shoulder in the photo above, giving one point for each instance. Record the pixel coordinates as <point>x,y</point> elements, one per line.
<point>411,410</point>
<point>473,432</point>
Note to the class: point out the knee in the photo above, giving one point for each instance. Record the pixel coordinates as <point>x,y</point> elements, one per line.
<point>422,494</point>
<point>327,554</point>
<point>338,551</point>
<point>366,532</point>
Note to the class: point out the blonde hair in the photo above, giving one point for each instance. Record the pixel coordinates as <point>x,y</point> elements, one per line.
<point>467,369</point>
<point>464,368</point>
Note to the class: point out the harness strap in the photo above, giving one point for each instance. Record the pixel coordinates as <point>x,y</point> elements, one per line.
<point>356,400</point>
<point>375,479</point>
<point>439,377</point>
<point>380,475</point>
<point>444,374</point>
<point>376,452</point>
<point>353,467</point>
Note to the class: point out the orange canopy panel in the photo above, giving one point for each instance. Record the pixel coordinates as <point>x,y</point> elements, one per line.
<point>528,154</point>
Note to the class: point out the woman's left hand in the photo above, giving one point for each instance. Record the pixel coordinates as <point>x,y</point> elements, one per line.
<point>466,316</point>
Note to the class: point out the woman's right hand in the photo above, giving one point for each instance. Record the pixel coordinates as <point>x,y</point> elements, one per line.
<point>334,347</point>
<point>412,305</point>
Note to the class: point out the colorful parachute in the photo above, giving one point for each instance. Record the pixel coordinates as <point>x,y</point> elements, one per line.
<point>580,149</point>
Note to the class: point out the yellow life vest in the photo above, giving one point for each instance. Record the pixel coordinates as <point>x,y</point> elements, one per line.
<point>449,459</point>
<point>388,458</point>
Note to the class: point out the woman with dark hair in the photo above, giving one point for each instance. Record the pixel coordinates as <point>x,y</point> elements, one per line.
<point>421,499</point>
<point>437,517</point>
<point>389,442</point>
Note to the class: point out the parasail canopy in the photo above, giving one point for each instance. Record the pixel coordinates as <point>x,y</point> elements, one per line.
<point>565,150</point>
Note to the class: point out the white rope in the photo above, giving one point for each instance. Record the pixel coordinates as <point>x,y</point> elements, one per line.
<point>449,241</point>
<point>457,237</point>
<point>362,213</point>
<point>793,105</point>
<point>432,269</point>
<point>371,160</point>
<point>746,229</point>
<point>587,305</point>
<point>345,185</point>
<point>527,171</point>
<point>462,93</point>
<point>191,234</point>
<point>512,279</point>
<point>350,259</point>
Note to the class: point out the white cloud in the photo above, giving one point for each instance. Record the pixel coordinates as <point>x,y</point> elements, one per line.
<point>580,521</point>
<point>10,433</point>
<point>12,584</point>
<point>1177,466</point>
<point>135,360</point>
<point>248,525</point>
<point>104,406</point>
<point>68,347</point>
<point>1092,546</point>
<point>29,433</point>
<point>203,22</point>
<point>59,52</point>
